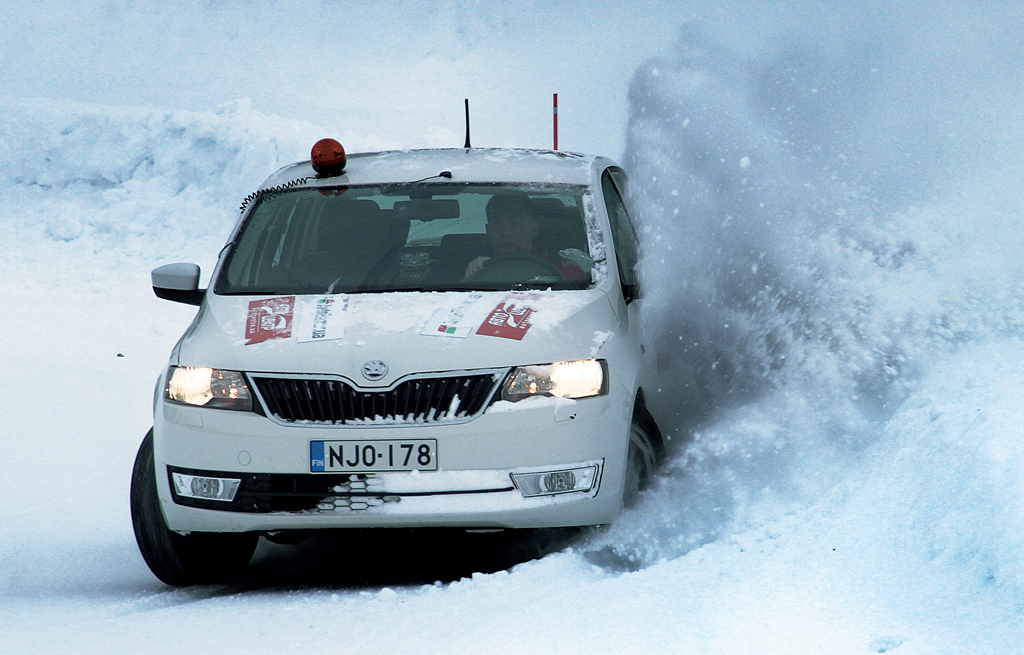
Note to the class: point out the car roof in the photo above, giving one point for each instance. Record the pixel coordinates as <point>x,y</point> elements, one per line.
<point>464,164</point>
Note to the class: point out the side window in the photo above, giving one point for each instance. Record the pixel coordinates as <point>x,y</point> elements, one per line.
<point>623,235</point>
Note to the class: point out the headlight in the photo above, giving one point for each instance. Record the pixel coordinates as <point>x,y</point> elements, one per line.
<point>562,379</point>
<point>208,387</point>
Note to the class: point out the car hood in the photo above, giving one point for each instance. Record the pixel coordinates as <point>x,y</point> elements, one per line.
<point>408,332</point>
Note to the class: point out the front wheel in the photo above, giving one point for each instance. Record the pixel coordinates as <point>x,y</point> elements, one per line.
<point>640,463</point>
<point>181,560</point>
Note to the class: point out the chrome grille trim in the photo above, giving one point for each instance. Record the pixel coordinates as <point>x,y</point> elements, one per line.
<point>325,400</point>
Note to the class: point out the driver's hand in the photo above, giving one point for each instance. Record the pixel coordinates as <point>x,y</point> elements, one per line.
<point>474,267</point>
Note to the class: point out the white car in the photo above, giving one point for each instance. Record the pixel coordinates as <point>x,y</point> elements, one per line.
<point>401,339</point>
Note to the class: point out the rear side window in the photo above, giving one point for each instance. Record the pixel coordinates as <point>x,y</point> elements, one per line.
<point>627,251</point>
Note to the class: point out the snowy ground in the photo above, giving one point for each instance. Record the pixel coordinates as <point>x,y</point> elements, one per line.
<point>837,190</point>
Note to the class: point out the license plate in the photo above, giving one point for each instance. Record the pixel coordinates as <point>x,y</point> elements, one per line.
<point>366,456</point>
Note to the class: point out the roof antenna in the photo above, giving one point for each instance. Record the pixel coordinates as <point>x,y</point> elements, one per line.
<point>554,113</point>
<point>467,125</point>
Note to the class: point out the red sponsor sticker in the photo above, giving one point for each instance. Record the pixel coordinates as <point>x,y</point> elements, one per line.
<point>507,321</point>
<point>269,319</point>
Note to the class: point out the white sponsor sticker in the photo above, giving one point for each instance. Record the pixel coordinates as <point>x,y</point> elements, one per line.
<point>322,318</point>
<point>457,322</point>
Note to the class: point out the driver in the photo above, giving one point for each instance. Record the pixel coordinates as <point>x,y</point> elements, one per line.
<point>512,229</point>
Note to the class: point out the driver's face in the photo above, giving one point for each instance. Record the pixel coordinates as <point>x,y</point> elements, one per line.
<point>511,232</point>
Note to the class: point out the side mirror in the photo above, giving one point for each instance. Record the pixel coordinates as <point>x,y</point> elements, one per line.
<point>178,283</point>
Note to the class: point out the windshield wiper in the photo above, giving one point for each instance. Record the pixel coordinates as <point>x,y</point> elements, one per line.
<point>255,292</point>
<point>390,289</point>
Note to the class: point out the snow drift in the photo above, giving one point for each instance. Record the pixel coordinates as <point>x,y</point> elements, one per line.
<point>801,289</point>
<point>125,178</point>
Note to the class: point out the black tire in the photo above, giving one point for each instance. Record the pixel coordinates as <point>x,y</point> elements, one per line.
<point>650,427</point>
<point>641,461</point>
<point>181,560</point>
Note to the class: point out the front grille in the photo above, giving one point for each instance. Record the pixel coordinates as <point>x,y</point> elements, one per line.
<point>333,401</point>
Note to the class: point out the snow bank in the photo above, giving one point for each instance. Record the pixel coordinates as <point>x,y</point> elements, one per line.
<point>377,75</point>
<point>139,179</point>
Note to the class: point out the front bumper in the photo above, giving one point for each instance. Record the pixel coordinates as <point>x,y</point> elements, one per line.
<point>473,486</point>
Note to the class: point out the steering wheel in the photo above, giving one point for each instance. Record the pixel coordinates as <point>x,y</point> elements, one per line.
<point>516,267</point>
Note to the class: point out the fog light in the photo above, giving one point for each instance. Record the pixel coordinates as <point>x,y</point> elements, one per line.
<point>555,482</point>
<point>559,481</point>
<point>195,486</point>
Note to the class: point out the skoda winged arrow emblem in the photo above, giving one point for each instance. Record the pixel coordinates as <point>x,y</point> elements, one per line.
<point>374,369</point>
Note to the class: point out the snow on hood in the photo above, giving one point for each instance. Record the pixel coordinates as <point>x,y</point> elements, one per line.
<point>410,332</point>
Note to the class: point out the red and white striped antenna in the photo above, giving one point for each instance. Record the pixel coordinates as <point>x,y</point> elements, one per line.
<point>554,114</point>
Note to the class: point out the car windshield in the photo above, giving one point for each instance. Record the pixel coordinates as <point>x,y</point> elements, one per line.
<point>440,237</point>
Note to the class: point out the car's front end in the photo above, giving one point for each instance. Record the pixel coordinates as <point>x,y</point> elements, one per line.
<point>376,351</point>
<point>268,437</point>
